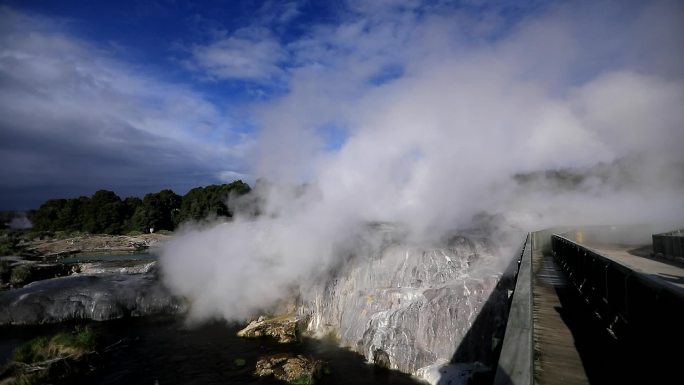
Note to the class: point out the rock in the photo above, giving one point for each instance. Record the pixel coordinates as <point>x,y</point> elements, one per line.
<point>282,328</point>
<point>97,297</point>
<point>24,272</point>
<point>118,267</point>
<point>381,359</point>
<point>291,369</point>
<point>407,308</point>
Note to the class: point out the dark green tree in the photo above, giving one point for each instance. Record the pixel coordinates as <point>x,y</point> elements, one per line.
<point>210,201</point>
<point>157,211</point>
<point>61,215</point>
<point>104,214</point>
<point>130,205</point>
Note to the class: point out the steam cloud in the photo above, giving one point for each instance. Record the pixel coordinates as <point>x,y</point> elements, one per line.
<point>428,118</point>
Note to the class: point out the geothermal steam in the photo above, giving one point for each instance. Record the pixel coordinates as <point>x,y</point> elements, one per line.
<point>596,89</point>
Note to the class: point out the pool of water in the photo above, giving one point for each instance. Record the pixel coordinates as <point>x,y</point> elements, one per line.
<point>164,350</point>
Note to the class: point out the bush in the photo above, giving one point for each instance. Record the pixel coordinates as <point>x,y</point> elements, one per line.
<point>33,378</point>
<point>9,247</point>
<point>134,233</point>
<point>58,346</point>
<point>21,274</point>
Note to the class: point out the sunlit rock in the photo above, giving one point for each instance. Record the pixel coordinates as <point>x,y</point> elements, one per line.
<point>408,308</point>
<point>283,328</point>
<point>116,267</point>
<point>291,369</point>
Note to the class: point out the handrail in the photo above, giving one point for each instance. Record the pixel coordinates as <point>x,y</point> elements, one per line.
<point>516,359</point>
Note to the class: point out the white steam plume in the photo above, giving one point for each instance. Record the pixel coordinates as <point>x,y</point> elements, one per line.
<point>597,88</point>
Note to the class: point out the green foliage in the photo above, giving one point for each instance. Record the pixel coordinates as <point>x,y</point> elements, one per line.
<point>104,212</point>
<point>130,205</point>
<point>211,201</point>
<point>60,345</point>
<point>156,211</point>
<point>33,378</point>
<point>9,247</point>
<point>304,379</point>
<point>21,274</point>
<point>239,362</point>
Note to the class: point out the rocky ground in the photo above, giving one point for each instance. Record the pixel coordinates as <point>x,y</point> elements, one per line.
<point>89,243</point>
<point>37,258</point>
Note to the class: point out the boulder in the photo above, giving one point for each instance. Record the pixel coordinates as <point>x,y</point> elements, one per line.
<point>283,328</point>
<point>289,368</point>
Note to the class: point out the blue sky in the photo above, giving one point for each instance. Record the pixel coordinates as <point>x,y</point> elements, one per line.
<point>136,96</point>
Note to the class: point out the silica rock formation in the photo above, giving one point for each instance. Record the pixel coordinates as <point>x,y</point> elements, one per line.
<point>415,309</point>
<point>98,297</point>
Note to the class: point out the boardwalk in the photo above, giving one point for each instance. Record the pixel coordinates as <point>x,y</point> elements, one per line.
<point>593,314</point>
<point>556,358</point>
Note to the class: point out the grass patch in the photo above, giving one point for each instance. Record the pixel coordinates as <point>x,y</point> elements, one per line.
<point>58,346</point>
<point>35,378</point>
<point>9,247</point>
<point>304,379</point>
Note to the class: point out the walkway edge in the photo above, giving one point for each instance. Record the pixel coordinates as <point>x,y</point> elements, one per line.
<point>516,360</point>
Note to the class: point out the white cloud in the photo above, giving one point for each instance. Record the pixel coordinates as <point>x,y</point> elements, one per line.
<point>255,58</point>
<point>83,119</point>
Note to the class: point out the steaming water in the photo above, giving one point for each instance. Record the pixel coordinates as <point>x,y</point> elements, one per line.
<point>163,350</point>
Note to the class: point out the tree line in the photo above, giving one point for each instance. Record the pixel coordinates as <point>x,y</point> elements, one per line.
<point>106,213</point>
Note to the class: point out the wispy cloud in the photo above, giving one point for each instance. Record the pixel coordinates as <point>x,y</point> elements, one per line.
<point>254,52</point>
<point>249,54</point>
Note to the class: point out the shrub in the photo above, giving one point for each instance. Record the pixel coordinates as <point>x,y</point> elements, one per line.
<point>21,274</point>
<point>58,346</point>
<point>9,247</point>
